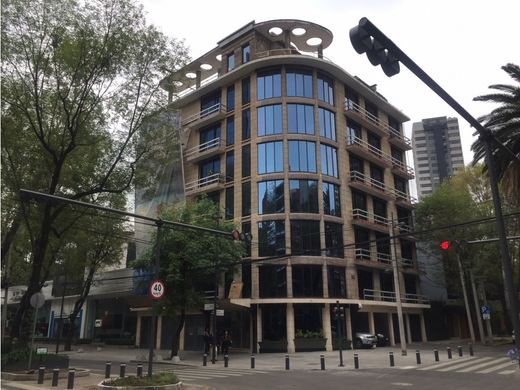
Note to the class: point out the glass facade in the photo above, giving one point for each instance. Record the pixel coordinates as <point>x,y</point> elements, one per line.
<point>231,61</point>
<point>329,161</point>
<point>337,282</point>
<point>325,89</point>
<point>304,196</point>
<point>300,118</point>
<point>305,238</point>
<point>273,281</point>
<point>270,197</point>
<point>230,98</point>
<point>334,239</point>
<point>230,130</point>
<point>270,157</point>
<point>307,281</point>
<point>302,156</point>
<point>271,238</point>
<point>269,120</point>
<point>246,199</point>
<point>299,83</point>
<point>268,85</point>
<point>246,124</point>
<point>246,160</point>
<point>327,122</point>
<point>246,54</point>
<point>230,203</point>
<point>230,166</point>
<point>331,199</point>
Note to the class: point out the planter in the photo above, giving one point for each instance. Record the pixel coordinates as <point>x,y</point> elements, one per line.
<point>273,346</point>
<point>175,386</point>
<point>309,344</point>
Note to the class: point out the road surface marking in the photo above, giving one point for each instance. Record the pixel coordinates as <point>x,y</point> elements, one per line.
<point>456,366</point>
<point>434,366</point>
<point>504,365</point>
<point>478,366</point>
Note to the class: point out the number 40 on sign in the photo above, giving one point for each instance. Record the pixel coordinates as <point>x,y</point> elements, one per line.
<point>157,289</point>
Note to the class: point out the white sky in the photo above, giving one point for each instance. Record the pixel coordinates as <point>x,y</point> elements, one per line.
<point>461,44</point>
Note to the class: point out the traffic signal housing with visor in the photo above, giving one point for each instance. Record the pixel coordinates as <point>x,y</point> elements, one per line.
<point>445,245</point>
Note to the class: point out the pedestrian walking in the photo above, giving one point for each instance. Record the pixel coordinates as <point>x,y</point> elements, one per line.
<point>226,343</point>
<point>208,340</point>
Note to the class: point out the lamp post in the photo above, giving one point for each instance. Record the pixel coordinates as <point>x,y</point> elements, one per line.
<point>339,313</point>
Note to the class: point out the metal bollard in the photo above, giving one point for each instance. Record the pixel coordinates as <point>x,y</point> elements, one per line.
<point>139,370</point>
<point>448,349</point>
<point>356,361</point>
<point>252,361</point>
<point>41,374</point>
<point>55,376</point>
<point>418,356</point>
<point>471,350</point>
<point>122,370</point>
<point>286,362</point>
<point>460,350</point>
<point>436,354</point>
<point>108,367</point>
<point>391,357</point>
<point>70,380</point>
<point>226,360</point>
<point>322,362</point>
<point>205,359</point>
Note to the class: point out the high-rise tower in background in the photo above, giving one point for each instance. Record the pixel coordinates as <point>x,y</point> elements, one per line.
<point>437,152</point>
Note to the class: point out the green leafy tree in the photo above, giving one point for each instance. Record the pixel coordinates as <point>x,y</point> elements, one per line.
<point>188,259</point>
<point>79,80</point>
<point>504,123</point>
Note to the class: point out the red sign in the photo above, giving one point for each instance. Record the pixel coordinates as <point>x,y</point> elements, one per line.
<point>157,289</point>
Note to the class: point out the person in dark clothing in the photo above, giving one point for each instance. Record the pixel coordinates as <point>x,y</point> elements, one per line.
<point>208,340</point>
<point>226,343</point>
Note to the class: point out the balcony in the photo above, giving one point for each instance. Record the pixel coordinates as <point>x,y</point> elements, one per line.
<point>399,140</point>
<point>205,117</point>
<point>407,264</point>
<point>404,200</point>
<point>367,220</point>
<point>389,296</point>
<point>365,118</point>
<point>367,151</point>
<point>371,186</point>
<point>205,184</point>
<point>401,169</point>
<point>362,254</point>
<point>205,150</point>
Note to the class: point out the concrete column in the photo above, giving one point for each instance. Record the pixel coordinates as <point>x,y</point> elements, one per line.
<point>198,78</point>
<point>408,331</point>
<point>288,275</point>
<point>138,330</point>
<point>371,325</point>
<point>258,326</point>
<point>327,330</point>
<point>391,335</point>
<point>290,328</point>
<point>424,338</point>
<point>348,324</point>
<point>325,280</point>
<point>159,333</point>
<point>320,51</point>
<point>255,282</point>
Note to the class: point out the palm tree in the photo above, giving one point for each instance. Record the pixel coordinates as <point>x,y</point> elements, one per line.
<point>504,123</point>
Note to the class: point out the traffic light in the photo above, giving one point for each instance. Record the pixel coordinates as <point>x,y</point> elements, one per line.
<point>338,311</point>
<point>237,236</point>
<point>366,38</point>
<point>445,245</point>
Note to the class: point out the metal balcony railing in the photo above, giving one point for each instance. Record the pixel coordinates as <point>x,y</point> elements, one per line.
<point>415,298</point>
<point>402,166</point>
<point>406,262</point>
<point>203,113</point>
<point>384,258</point>
<point>404,196</point>
<point>365,215</point>
<point>353,140</point>
<point>389,296</point>
<point>361,177</point>
<point>214,143</point>
<point>193,186</point>
<point>362,254</point>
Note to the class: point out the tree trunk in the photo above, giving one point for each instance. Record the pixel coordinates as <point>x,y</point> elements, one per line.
<point>177,334</point>
<point>505,311</point>
<point>70,333</point>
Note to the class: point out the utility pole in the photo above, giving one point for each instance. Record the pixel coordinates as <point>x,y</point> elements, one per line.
<point>153,328</point>
<point>477,307</point>
<point>488,320</point>
<point>395,268</point>
<point>465,294</point>
<point>6,293</point>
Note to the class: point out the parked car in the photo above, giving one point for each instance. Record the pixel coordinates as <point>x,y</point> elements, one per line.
<point>366,340</point>
<point>382,340</point>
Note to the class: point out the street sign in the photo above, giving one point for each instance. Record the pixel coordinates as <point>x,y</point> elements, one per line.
<point>41,351</point>
<point>98,323</point>
<point>220,312</point>
<point>486,316</point>
<point>37,300</point>
<point>157,289</point>
<point>485,310</point>
<point>208,306</point>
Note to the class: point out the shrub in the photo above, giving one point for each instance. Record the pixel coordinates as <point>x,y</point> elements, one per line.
<point>308,334</point>
<point>159,379</point>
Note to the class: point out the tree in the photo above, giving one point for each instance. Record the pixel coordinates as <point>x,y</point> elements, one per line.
<point>78,81</point>
<point>504,123</point>
<point>188,257</point>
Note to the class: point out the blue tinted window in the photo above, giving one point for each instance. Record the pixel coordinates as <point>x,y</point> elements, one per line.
<point>304,196</point>
<point>271,239</point>
<point>331,199</point>
<point>230,130</point>
<point>302,156</point>
<point>246,53</point>
<point>246,160</point>
<point>231,61</point>
<point>230,166</point>
<point>299,84</point>
<point>327,124</point>
<point>230,101</point>
<point>329,161</point>
<point>269,120</point>
<point>269,85</point>
<point>246,124</point>
<point>270,157</point>
<point>300,118</point>
<point>209,134</point>
<point>208,168</point>
<point>270,197</point>
<point>325,89</point>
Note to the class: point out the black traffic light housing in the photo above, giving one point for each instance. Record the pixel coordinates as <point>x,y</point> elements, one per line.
<point>366,38</point>
<point>238,236</point>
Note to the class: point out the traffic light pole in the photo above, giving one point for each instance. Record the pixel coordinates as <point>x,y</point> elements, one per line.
<point>339,329</point>
<point>153,328</point>
<point>366,37</point>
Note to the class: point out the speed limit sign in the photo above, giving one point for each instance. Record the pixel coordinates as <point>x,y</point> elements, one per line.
<point>157,289</point>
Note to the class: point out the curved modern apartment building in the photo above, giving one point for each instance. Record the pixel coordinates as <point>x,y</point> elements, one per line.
<point>311,161</point>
